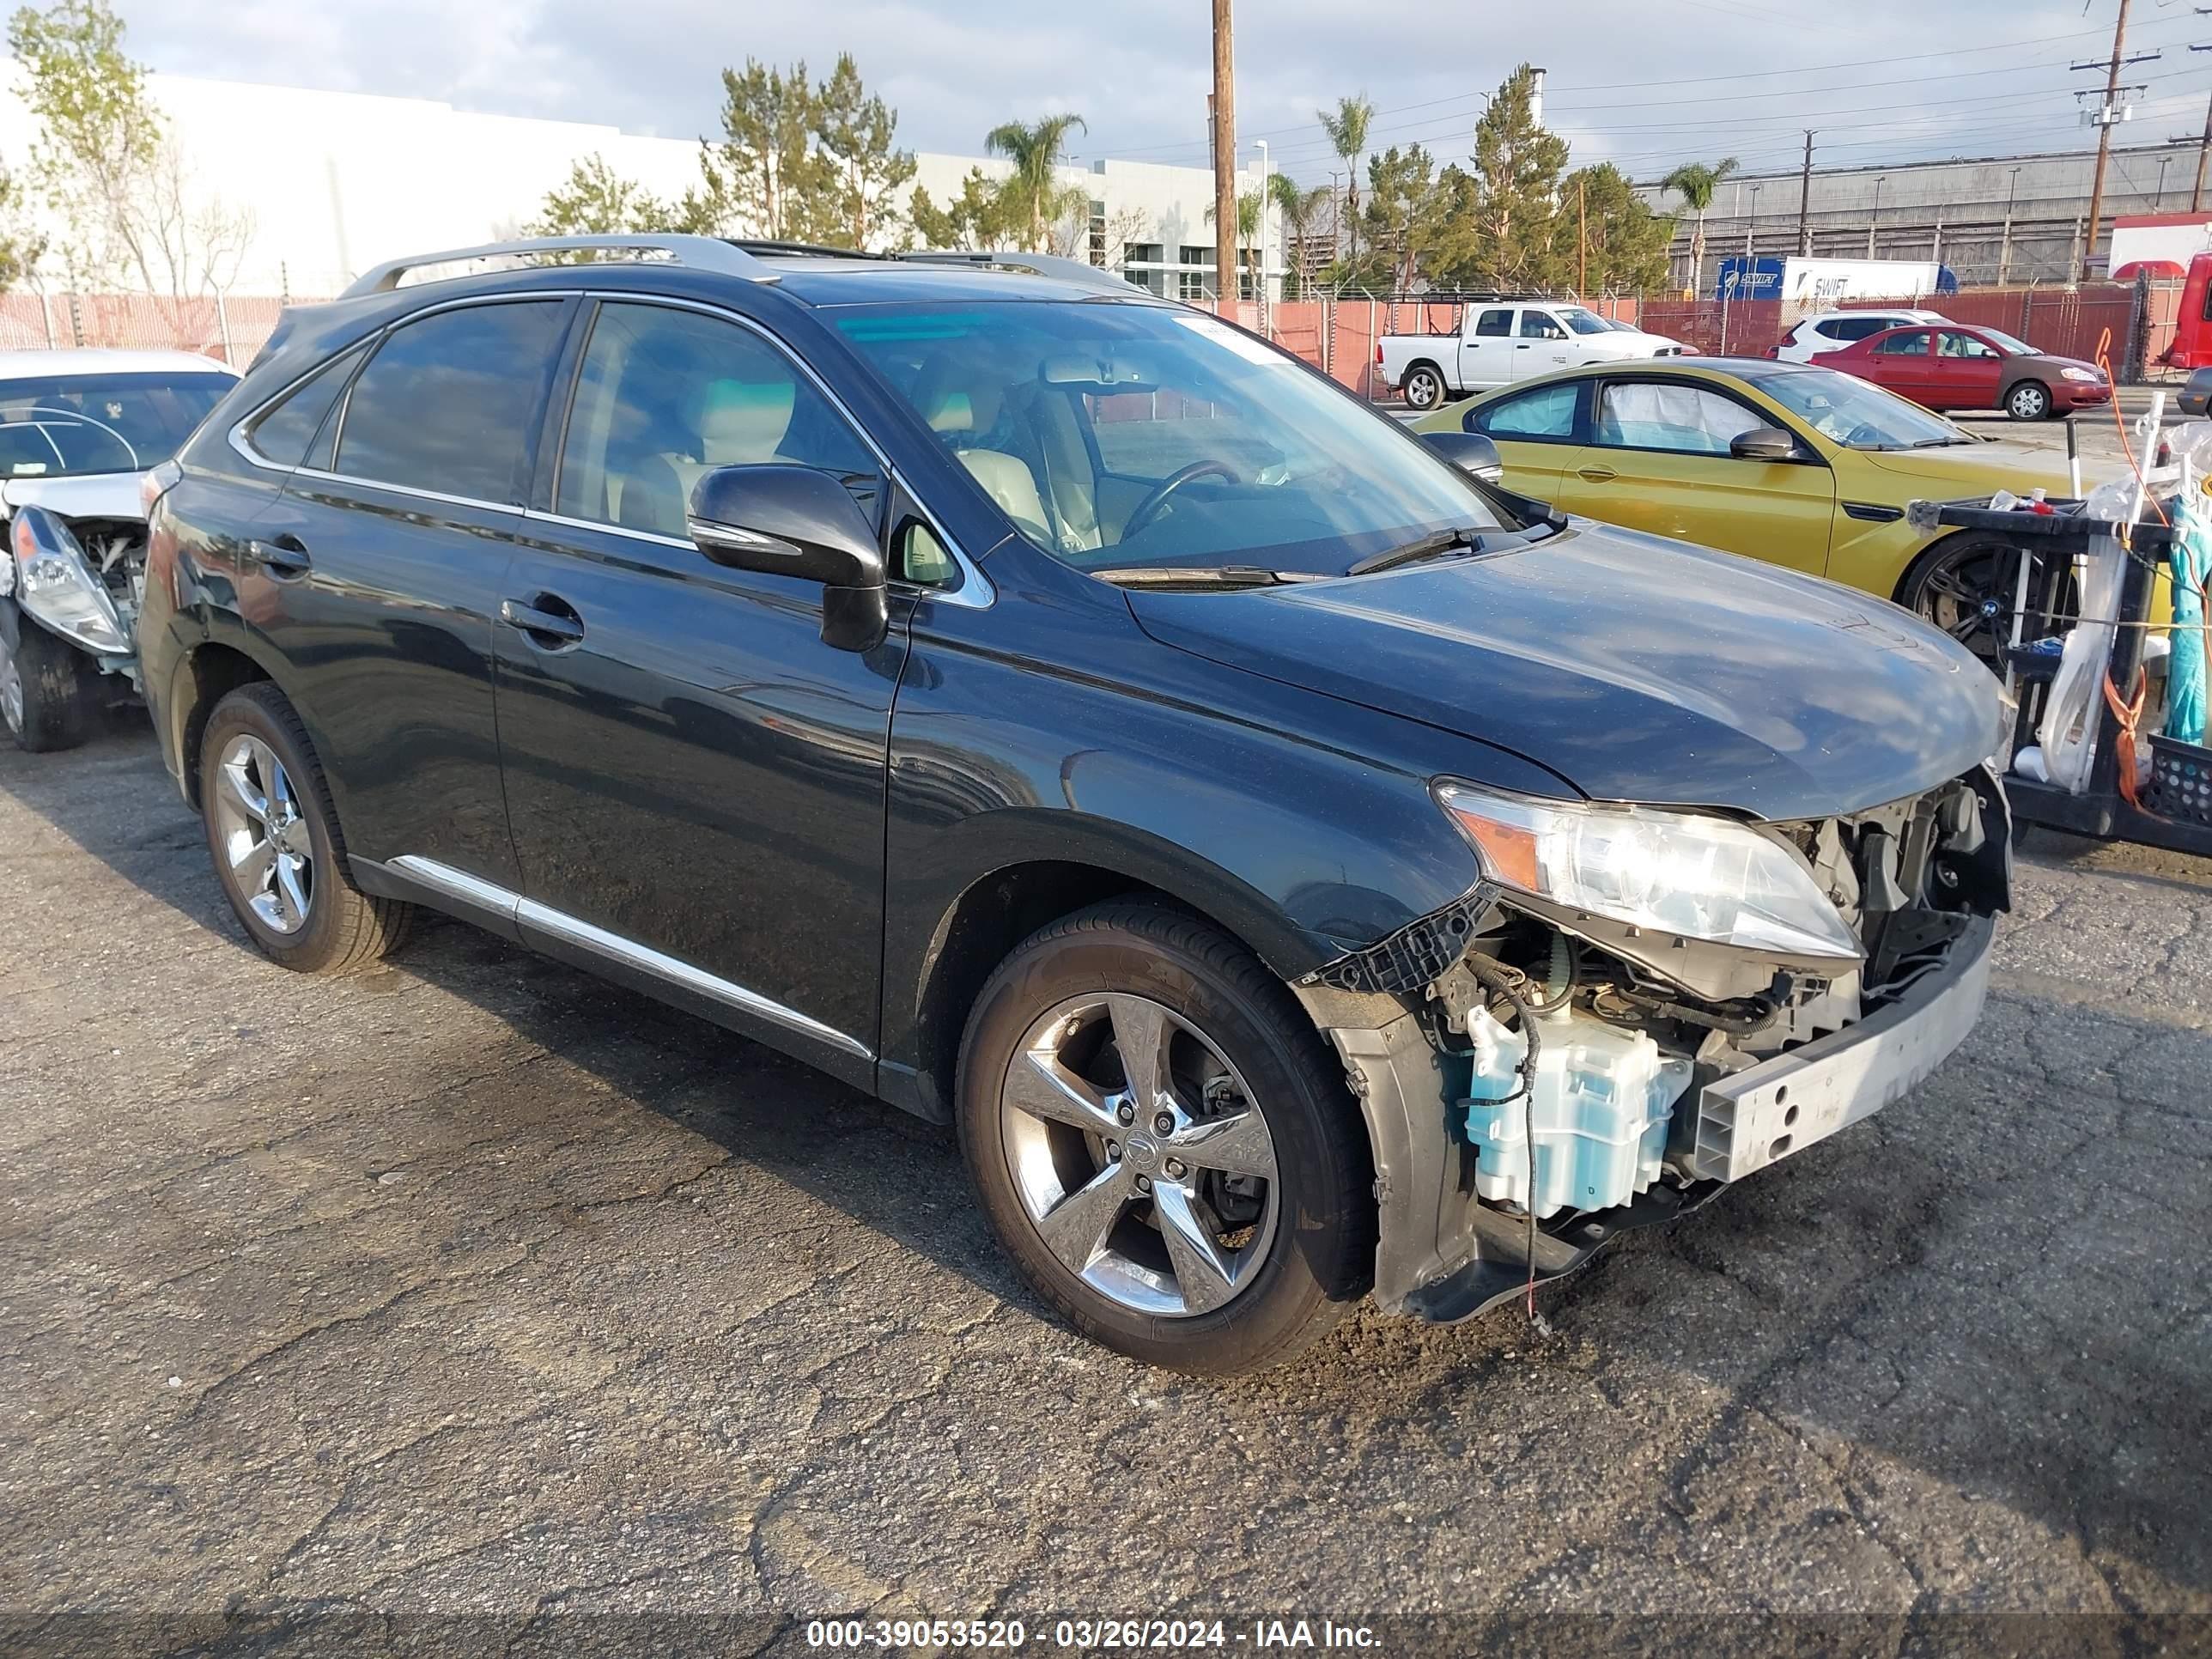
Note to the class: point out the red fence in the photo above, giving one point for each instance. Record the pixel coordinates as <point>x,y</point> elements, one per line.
<point>232,330</point>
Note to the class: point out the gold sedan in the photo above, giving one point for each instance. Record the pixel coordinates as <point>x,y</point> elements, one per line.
<point>1785,462</point>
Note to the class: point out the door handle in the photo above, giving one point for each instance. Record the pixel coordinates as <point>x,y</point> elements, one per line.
<point>564,627</point>
<point>283,557</point>
<point>1520,348</point>
<point>1597,474</point>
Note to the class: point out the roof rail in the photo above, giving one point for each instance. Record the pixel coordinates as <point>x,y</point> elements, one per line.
<point>1041,265</point>
<point>694,253</point>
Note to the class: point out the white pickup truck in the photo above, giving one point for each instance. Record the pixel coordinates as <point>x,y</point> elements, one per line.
<point>1505,341</point>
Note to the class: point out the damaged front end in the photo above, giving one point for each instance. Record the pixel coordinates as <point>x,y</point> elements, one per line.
<point>82,580</point>
<point>1634,1008</point>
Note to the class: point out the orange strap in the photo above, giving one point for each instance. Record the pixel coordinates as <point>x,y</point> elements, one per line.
<point>2123,746</point>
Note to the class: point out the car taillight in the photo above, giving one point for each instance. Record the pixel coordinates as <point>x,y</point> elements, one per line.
<point>1774,352</point>
<point>156,483</point>
<point>1378,351</point>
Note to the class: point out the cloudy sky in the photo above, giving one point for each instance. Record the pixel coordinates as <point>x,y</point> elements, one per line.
<point>1643,84</point>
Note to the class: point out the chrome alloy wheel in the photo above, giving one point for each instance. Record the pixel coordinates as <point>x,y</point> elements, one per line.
<point>11,682</point>
<point>1138,1155</point>
<point>267,854</point>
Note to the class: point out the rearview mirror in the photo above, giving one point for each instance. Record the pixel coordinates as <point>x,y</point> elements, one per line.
<point>802,522</point>
<point>1470,451</point>
<point>1106,375</point>
<point>1764,443</point>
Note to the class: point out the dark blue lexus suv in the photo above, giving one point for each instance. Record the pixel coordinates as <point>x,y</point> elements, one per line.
<point>1297,867</point>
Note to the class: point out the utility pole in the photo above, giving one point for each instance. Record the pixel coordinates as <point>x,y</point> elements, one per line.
<point>1805,198</point>
<point>1582,238</point>
<point>2203,151</point>
<point>1225,153</point>
<point>2107,113</point>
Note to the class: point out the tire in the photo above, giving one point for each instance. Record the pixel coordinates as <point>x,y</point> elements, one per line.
<point>338,929</point>
<point>1424,387</point>
<point>1964,586</point>
<point>46,699</point>
<point>1238,1047</point>
<point>2028,400</point>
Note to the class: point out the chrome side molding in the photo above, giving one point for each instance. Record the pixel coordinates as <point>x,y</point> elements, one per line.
<point>474,893</point>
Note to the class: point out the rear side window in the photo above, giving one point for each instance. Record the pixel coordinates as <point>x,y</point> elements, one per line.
<point>1494,324</point>
<point>1860,328</point>
<point>1911,344</point>
<point>448,403</point>
<point>283,433</point>
<point>1546,412</point>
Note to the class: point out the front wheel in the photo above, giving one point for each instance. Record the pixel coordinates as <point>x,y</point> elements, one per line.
<point>2028,401</point>
<point>1425,388</point>
<point>46,699</point>
<point>1162,1143</point>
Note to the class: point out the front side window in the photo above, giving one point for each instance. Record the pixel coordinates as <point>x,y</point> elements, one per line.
<point>1963,346</point>
<point>1855,413</point>
<point>1114,436</point>
<point>665,395</point>
<point>1493,325</point>
<point>448,403</point>
<point>1912,344</point>
<point>1684,419</point>
<point>64,425</point>
<point>1541,325</point>
<point>1546,412</point>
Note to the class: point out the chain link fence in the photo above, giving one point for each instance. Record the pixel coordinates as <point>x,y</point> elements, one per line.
<point>230,329</point>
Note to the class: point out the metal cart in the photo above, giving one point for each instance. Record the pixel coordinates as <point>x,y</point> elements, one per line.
<point>2050,543</point>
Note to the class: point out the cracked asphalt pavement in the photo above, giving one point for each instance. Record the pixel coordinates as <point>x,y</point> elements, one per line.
<point>475,1285</point>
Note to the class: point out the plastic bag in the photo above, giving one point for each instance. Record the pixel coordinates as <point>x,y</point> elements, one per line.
<point>2068,732</point>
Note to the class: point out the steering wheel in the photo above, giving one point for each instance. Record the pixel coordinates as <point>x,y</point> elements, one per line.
<point>1148,509</point>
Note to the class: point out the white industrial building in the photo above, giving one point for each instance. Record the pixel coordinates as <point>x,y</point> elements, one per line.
<point>334,182</point>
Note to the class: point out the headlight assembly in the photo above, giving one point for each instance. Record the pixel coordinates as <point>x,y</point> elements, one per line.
<point>2089,374</point>
<point>54,582</point>
<point>1694,875</point>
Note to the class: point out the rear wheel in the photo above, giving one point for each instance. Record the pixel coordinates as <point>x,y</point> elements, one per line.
<point>2030,400</point>
<point>45,687</point>
<point>1162,1144</point>
<point>1424,387</point>
<point>276,845</point>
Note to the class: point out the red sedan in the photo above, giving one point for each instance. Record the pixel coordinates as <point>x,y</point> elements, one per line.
<point>1952,366</point>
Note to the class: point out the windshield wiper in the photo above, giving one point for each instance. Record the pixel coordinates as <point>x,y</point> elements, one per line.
<point>1204,575</point>
<point>1428,547</point>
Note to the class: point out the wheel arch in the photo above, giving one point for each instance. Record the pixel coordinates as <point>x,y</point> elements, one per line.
<point>999,908</point>
<point>204,676</point>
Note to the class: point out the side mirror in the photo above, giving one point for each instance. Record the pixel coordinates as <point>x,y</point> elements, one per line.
<point>1764,443</point>
<point>1470,451</point>
<point>797,521</point>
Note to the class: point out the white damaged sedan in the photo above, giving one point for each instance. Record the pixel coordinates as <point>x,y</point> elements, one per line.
<point>79,432</point>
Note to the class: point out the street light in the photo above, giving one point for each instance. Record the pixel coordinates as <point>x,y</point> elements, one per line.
<point>1751,222</point>
<point>1879,180</point>
<point>1261,275</point>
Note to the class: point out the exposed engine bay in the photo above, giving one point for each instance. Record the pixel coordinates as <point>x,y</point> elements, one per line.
<point>1591,1074</point>
<point>83,579</point>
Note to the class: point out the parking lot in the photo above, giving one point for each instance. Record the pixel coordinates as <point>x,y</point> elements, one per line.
<point>477,1285</point>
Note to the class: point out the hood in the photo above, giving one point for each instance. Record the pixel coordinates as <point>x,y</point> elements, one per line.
<point>1636,669</point>
<point>1977,469</point>
<point>94,496</point>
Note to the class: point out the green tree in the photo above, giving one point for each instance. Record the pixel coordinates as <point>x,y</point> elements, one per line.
<point>1346,127</point>
<point>1402,217</point>
<point>1033,196</point>
<point>1695,183</point>
<point>765,176</point>
<point>857,133</point>
<point>106,163</point>
<point>1295,209</point>
<point>1606,228</point>
<point>972,221</point>
<point>19,249</point>
<point>596,200</point>
<point>1500,211</point>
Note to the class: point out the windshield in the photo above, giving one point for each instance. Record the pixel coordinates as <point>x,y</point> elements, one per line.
<point>2006,343</point>
<point>1119,436</point>
<point>1855,413</point>
<point>66,425</point>
<point>1583,322</point>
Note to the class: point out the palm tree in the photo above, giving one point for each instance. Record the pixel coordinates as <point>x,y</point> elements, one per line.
<point>1695,183</point>
<point>1296,204</point>
<point>1034,149</point>
<point>1347,137</point>
<point>1247,222</point>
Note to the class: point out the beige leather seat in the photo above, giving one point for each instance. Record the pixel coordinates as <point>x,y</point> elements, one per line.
<point>740,423</point>
<point>955,394</point>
